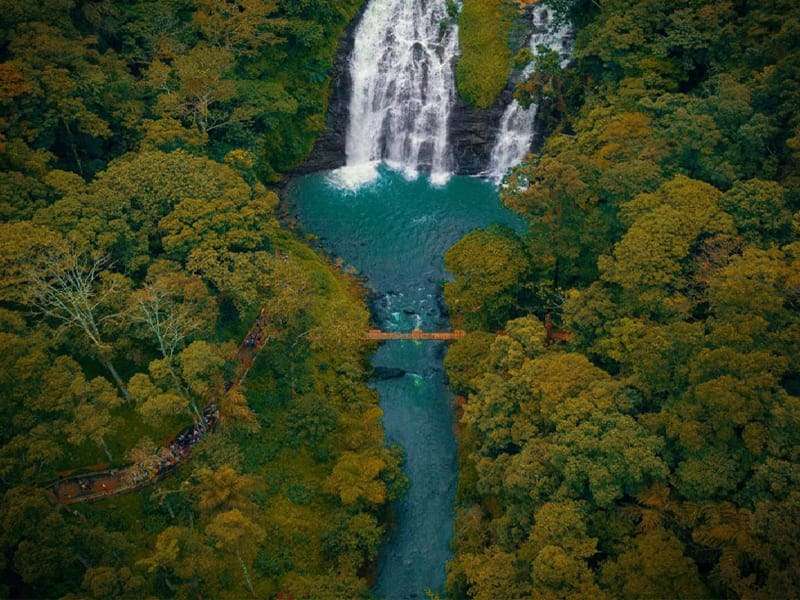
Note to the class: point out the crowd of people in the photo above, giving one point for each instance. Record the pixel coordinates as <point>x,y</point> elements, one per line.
<point>176,451</point>
<point>158,465</point>
<point>253,339</point>
<point>256,335</point>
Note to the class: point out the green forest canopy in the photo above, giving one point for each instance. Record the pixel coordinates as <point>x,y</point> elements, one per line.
<point>484,63</point>
<point>656,454</point>
<point>138,243</point>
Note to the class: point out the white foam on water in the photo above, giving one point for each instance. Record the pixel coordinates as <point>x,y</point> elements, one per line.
<point>440,179</point>
<point>354,177</point>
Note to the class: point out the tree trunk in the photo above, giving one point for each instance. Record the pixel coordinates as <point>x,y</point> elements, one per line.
<point>106,450</point>
<point>246,574</point>
<point>198,416</point>
<point>556,272</point>
<point>117,379</point>
<point>73,148</point>
<point>195,412</point>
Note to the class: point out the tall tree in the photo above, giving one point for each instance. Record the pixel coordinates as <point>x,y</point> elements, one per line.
<point>74,290</point>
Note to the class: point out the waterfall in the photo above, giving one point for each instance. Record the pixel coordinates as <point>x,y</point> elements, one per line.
<point>513,140</point>
<point>518,123</point>
<point>403,90</point>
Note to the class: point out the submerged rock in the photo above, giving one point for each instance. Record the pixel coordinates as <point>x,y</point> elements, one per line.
<point>384,373</point>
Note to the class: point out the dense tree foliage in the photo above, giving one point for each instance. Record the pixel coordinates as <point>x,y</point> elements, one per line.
<point>138,245</point>
<point>486,58</point>
<point>84,81</point>
<point>631,373</point>
<point>655,453</point>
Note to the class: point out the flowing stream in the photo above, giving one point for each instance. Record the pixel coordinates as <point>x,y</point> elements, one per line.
<point>394,226</point>
<point>395,233</point>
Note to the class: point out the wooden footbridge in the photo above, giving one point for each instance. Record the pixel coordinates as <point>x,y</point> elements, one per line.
<point>436,336</point>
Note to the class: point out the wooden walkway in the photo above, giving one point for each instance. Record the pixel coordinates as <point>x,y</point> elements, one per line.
<point>97,484</point>
<point>436,336</point>
<point>102,483</point>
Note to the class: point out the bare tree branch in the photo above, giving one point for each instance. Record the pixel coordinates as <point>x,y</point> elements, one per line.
<point>170,322</point>
<point>67,289</point>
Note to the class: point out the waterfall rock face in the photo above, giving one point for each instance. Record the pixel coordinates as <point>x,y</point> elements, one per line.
<point>518,124</point>
<point>473,133</point>
<point>329,150</point>
<point>403,87</point>
<point>513,140</point>
<point>393,96</point>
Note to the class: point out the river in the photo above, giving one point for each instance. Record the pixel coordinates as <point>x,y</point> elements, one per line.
<point>394,232</point>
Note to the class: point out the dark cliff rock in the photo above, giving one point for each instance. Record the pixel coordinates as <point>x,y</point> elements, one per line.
<point>473,133</point>
<point>329,150</point>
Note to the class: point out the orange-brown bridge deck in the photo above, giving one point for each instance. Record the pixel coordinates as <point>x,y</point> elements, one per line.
<point>437,336</point>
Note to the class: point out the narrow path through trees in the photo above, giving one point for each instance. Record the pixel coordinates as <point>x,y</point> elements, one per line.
<point>97,484</point>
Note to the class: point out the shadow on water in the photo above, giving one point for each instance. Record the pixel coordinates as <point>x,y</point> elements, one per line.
<point>395,233</point>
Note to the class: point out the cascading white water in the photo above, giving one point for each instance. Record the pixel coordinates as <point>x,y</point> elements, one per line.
<point>518,123</point>
<point>513,140</point>
<point>403,90</point>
